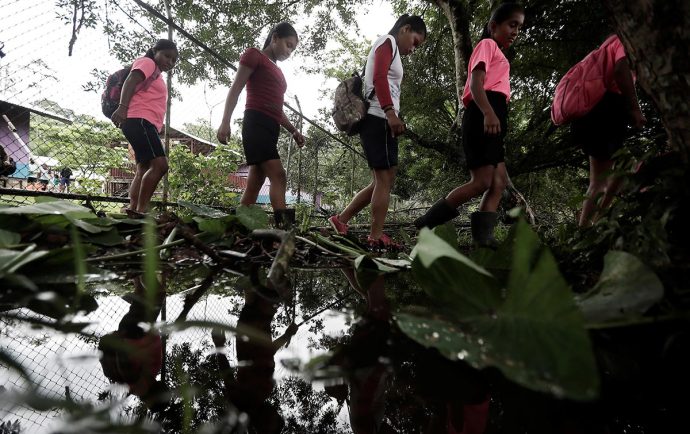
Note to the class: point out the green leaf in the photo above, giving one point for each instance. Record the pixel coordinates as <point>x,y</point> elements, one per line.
<point>87,226</point>
<point>109,238</point>
<point>202,210</point>
<point>627,287</point>
<point>447,233</point>
<point>12,260</point>
<point>8,239</point>
<point>53,207</point>
<point>216,226</point>
<point>451,278</point>
<point>533,332</point>
<point>252,217</point>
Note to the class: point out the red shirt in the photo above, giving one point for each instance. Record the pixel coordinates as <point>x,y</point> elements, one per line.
<point>266,86</point>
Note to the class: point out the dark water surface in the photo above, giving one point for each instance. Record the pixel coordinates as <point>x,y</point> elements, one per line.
<point>333,374</point>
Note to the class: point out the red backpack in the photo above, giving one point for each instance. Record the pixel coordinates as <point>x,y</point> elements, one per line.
<point>582,87</point>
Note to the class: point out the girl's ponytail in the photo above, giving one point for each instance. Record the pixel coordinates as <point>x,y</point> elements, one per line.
<point>161,44</point>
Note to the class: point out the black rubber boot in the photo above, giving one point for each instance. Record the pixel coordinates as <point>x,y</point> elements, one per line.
<point>439,213</point>
<point>284,218</point>
<point>483,224</point>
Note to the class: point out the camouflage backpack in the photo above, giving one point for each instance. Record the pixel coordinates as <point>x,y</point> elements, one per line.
<point>349,105</point>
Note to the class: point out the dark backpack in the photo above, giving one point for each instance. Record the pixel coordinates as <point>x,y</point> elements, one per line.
<point>66,173</point>
<point>349,104</point>
<point>110,98</point>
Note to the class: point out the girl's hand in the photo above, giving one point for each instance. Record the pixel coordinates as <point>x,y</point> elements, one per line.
<point>299,138</point>
<point>397,126</point>
<point>223,133</point>
<point>638,119</point>
<point>119,116</point>
<point>492,126</point>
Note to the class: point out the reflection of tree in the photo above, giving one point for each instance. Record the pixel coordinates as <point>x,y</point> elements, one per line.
<point>306,410</point>
<point>191,368</point>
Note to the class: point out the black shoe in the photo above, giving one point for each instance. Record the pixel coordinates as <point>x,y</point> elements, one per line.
<point>439,213</point>
<point>483,224</point>
<point>284,218</point>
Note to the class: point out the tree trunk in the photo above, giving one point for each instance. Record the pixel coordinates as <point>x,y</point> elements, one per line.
<point>457,13</point>
<point>656,35</point>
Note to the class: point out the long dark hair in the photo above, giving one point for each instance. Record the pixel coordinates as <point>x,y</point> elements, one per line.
<point>281,30</point>
<point>161,44</point>
<point>416,24</point>
<point>500,14</point>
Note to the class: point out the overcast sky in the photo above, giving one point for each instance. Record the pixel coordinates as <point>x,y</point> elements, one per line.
<point>31,30</point>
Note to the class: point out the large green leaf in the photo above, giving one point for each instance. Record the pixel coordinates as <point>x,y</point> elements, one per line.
<point>202,210</point>
<point>627,287</point>
<point>8,238</point>
<point>451,278</point>
<point>252,217</point>
<point>57,207</point>
<point>216,226</point>
<point>108,238</point>
<point>530,327</point>
<point>12,260</point>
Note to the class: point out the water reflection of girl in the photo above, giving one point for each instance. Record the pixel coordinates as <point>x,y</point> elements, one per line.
<point>369,376</point>
<point>453,397</point>
<point>254,383</point>
<point>133,356</point>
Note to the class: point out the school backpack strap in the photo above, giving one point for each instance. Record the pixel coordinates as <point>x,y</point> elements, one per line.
<point>373,91</point>
<point>110,98</point>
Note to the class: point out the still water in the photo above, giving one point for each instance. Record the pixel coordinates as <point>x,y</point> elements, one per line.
<point>313,360</point>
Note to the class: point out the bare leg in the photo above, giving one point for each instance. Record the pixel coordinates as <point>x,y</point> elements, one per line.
<point>380,198</point>
<point>276,174</point>
<point>597,185</point>
<point>255,180</point>
<point>149,181</point>
<point>481,180</point>
<point>492,196</point>
<point>613,184</point>
<point>136,185</point>
<point>358,203</point>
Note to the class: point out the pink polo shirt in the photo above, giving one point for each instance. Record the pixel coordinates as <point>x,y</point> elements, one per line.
<point>496,66</point>
<point>150,99</point>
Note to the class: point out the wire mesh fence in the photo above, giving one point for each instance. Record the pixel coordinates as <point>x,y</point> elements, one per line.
<point>56,142</point>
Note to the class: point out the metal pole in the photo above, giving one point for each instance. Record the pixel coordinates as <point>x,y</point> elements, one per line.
<point>168,105</point>
<point>316,171</point>
<point>299,159</point>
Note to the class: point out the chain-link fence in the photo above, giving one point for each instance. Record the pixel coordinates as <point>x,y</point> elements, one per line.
<point>56,142</point>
